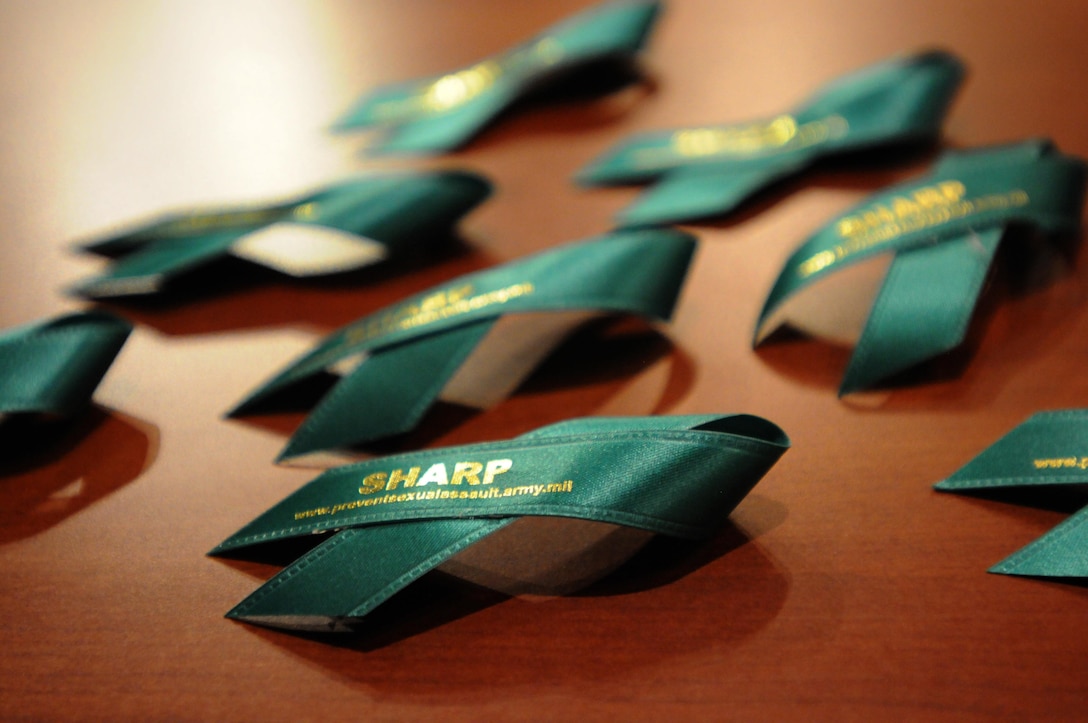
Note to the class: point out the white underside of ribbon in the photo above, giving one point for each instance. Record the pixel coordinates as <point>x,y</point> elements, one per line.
<point>301,249</point>
<point>834,308</point>
<point>546,556</point>
<point>514,346</point>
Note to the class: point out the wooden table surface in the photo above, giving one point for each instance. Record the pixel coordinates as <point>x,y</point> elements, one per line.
<point>844,586</point>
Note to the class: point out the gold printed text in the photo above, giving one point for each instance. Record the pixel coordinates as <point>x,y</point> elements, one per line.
<point>471,473</point>
<point>439,493</point>
<point>1060,463</point>
<point>780,133</point>
<point>435,307</point>
<point>457,88</point>
<point>925,208</point>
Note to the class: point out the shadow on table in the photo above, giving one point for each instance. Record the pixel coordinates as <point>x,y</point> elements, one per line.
<point>1066,499</point>
<point>230,294</point>
<point>1033,504</point>
<point>50,470</point>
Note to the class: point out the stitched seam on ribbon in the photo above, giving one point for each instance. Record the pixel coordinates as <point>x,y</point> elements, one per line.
<point>1048,540</point>
<point>294,570</point>
<point>1010,481</point>
<point>1034,480</point>
<point>313,556</point>
<point>692,436</point>
<point>599,514</point>
<point>425,565</point>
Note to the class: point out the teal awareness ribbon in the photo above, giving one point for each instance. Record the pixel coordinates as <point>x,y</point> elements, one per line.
<point>1046,450</point>
<point>711,170</point>
<point>941,232</point>
<point>411,351</point>
<point>341,227</point>
<point>53,367</point>
<point>387,521</point>
<point>441,113</point>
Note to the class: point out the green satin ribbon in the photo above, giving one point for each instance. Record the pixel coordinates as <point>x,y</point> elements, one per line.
<point>710,170</point>
<point>1050,448</point>
<point>53,367</point>
<point>397,212</point>
<point>414,348</point>
<point>942,230</point>
<point>441,113</point>
<point>393,519</point>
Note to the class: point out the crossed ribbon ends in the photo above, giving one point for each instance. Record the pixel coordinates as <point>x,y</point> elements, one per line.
<point>472,340</point>
<point>1046,450</point>
<point>441,113</point>
<point>342,227</point>
<point>707,171</point>
<point>899,275</point>
<point>387,521</point>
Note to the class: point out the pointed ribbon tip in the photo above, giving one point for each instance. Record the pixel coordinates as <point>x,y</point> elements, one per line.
<point>1046,450</point>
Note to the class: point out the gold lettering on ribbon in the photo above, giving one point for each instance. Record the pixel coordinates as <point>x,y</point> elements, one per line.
<point>925,208</point>
<point>1061,463</point>
<point>438,306</point>
<point>467,471</point>
<point>780,133</point>
<point>463,472</point>
<point>304,211</point>
<point>205,222</point>
<point>457,88</point>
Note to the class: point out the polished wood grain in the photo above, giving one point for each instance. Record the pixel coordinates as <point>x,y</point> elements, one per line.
<point>844,587</point>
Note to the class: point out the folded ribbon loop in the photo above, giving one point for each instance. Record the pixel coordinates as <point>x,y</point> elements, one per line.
<point>441,113</point>
<point>53,367</point>
<point>393,519</point>
<point>451,339</point>
<point>339,228</point>
<point>711,170</point>
<point>937,236</point>
<point>1050,448</point>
